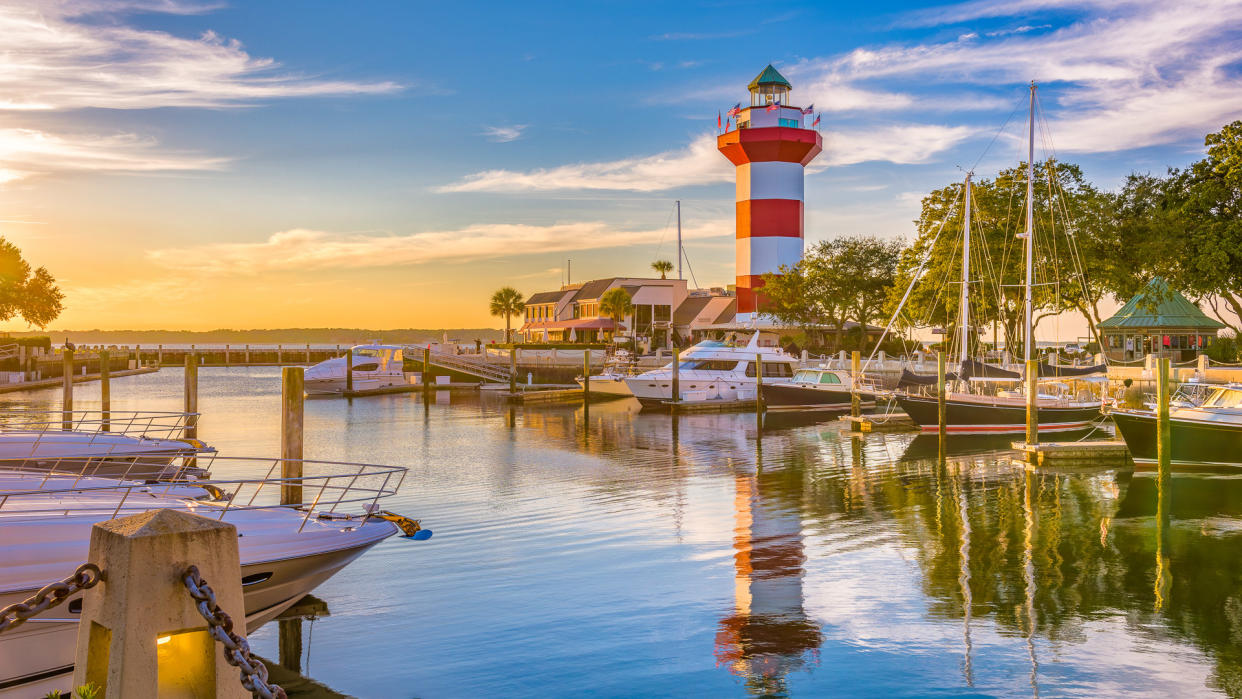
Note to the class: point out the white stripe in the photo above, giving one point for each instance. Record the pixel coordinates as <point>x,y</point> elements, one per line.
<point>767,254</point>
<point>769,180</point>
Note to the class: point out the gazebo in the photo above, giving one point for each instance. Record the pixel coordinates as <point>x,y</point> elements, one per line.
<point>1158,320</point>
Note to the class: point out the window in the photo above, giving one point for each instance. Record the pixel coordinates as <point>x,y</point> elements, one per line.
<point>770,370</point>
<point>642,318</point>
<point>790,122</point>
<point>743,124</point>
<point>369,366</point>
<point>828,377</point>
<point>804,377</point>
<point>662,313</point>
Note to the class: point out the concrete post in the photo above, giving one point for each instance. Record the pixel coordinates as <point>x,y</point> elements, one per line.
<point>1032,401</point>
<point>855,377</point>
<point>105,390</point>
<point>805,357</point>
<point>66,395</point>
<point>1202,365</point>
<point>141,634</point>
<point>191,396</point>
<point>292,383</point>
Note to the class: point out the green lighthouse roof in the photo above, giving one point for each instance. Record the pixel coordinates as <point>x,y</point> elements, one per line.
<point>1158,306</point>
<point>769,76</point>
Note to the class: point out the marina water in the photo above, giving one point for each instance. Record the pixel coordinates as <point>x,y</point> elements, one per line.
<point>613,553</point>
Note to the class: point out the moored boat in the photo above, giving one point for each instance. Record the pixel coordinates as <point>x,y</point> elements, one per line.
<point>374,366</point>
<point>814,389</point>
<point>1205,435</point>
<point>714,370</point>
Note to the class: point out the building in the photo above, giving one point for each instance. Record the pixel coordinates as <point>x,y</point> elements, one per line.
<point>769,147</point>
<point>1158,320</point>
<point>572,313</point>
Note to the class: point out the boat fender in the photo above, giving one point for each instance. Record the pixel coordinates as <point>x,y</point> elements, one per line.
<point>410,528</point>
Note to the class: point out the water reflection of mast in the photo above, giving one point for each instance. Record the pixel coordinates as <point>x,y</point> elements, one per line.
<point>769,634</point>
<point>963,579</point>
<point>1028,576</point>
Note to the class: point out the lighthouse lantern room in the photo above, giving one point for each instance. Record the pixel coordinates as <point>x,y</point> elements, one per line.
<point>769,147</point>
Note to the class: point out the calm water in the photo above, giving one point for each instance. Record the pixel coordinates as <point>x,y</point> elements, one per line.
<point>635,555</point>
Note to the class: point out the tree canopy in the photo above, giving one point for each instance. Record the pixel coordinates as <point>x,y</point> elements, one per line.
<point>31,294</point>
<point>507,302</point>
<point>615,303</point>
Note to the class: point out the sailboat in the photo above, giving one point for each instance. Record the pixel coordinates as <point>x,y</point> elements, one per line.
<point>1005,412</point>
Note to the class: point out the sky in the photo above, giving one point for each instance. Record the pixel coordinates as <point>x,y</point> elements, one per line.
<point>198,165</point>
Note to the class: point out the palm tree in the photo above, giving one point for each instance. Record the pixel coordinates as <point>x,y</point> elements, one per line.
<point>507,302</point>
<point>615,303</point>
<point>663,267</point>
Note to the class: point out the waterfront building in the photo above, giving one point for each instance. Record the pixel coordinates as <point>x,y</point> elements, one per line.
<point>769,145</point>
<point>1159,321</point>
<point>572,313</point>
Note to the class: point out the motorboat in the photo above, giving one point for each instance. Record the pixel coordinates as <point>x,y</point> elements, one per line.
<point>814,389</point>
<point>374,366</point>
<point>1208,434</point>
<point>611,381</point>
<point>286,550</point>
<point>714,370</point>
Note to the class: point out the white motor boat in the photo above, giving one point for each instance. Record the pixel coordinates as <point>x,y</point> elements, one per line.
<point>713,370</point>
<point>286,551</point>
<point>374,366</point>
<point>611,380</point>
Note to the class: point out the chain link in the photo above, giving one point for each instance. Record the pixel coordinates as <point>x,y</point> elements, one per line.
<point>85,577</point>
<point>236,649</point>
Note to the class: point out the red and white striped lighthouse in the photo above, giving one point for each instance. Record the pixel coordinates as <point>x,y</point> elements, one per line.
<point>770,148</point>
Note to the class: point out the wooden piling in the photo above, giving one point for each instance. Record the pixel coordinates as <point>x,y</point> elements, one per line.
<point>349,370</point>
<point>226,355</point>
<point>942,407</point>
<point>308,361</point>
<point>586,376</point>
<point>159,355</point>
<point>855,371</point>
<point>247,354</point>
<point>105,391</point>
<point>759,387</point>
<point>427,368</point>
<point>279,354</point>
<point>676,397</point>
<point>292,391</point>
<point>1164,428</point>
<point>66,395</point>
<point>512,369</point>
<point>1032,401</point>
<point>191,396</point>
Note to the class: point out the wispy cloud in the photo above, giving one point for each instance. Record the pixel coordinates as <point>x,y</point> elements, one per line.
<point>504,134</point>
<point>904,144</point>
<point>307,250</point>
<point>63,56</point>
<point>703,36</point>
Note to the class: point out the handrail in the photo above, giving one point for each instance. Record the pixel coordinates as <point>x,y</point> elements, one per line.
<point>152,424</point>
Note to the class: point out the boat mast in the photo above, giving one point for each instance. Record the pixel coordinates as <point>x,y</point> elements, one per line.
<point>1029,328</point>
<point>964,313</point>
<point>679,276</point>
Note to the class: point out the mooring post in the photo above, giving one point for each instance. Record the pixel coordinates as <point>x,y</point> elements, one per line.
<point>855,371</point>
<point>159,355</point>
<point>279,354</point>
<point>512,370</point>
<point>1032,401</point>
<point>226,355</point>
<point>1164,428</point>
<point>141,634</point>
<point>66,395</point>
<point>942,407</point>
<point>349,371</point>
<point>427,368</point>
<point>105,391</point>
<point>191,396</point>
<point>676,375</point>
<point>247,354</point>
<point>292,385</point>
<point>586,375</point>
<point>308,361</point>
<point>759,387</point>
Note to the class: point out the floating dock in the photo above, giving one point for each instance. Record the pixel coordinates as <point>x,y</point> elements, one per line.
<point>891,422</point>
<point>59,381</point>
<point>1086,453</point>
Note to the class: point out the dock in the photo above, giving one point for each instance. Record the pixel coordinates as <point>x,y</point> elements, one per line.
<point>709,406</point>
<point>1085,453</point>
<point>558,394</point>
<point>892,422</point>
<point>58,381</point>
<point>411,388</point>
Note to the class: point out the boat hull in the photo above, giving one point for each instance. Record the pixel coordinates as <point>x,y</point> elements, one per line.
<point>786,396</point>
<point>984,417</point>
<point>1193,442</point>
<point>335,386</point>
<point>608,385</point>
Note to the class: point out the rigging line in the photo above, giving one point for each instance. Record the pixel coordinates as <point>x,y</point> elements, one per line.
<point>691,268</point>
<point>664,233</point>
<point>913,280</point>
<point>997,135</point>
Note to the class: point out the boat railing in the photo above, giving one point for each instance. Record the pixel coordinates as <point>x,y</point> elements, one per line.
<point>132,423</point>
<point>324,488</point>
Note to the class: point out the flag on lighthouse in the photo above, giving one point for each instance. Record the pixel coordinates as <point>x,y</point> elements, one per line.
<point>737,109</point>
<point>816,122</point>
<point>776,104</point>
<point>718,126</point>
<point>809,109</point>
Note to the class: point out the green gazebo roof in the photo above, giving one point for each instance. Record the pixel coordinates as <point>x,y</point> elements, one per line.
<point>1158,306</point>
<point>769,76</point>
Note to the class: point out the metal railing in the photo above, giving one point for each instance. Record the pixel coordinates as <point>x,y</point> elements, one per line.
<point>464,364</point>
<point>333,484</point>
<point>133,423</point>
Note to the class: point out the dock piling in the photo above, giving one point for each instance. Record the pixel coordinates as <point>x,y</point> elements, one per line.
<point>349,371</point>
<point>942,407</point>
<point>66,397</point>
<point>759,388</point>
<point>676,376</point>
<point>1032,404</point>
<point>855,371</point>
<point>292,387</point>
<point>513,369</point>
<point>427,368</point>
<point>586,376</point>
<point>1164,428</point>
<point>105,390</point>
<point>191,397</point>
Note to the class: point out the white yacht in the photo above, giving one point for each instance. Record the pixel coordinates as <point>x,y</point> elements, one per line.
<point>714,370</point>
<point>375,366</point>
<point>286,551</point>
<point>611,380</point>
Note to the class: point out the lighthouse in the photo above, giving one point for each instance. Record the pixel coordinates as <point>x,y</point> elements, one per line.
<point>769,147</point>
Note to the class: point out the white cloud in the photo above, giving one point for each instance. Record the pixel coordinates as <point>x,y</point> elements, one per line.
<point>28,151</point>
<point>504,134</point>
<point>303,250</point>
<point>904,144</point>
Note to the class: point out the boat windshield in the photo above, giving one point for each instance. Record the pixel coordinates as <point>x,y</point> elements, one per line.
<point>806,376</point>
<point>1224,398</point>
<point>829,377</point>
<point>368,353</point>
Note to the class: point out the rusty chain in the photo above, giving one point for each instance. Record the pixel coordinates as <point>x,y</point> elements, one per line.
<point>236,649</point>
<point>86,576</point>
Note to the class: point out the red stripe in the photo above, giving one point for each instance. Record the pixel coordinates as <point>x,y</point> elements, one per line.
<point>747,298</point>
<point>770,143</point>
<point>1047,427</point>
<point>769,217</point>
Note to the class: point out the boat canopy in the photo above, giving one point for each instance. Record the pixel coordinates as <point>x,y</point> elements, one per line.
<point>910,379</point>
<point>976,369</point>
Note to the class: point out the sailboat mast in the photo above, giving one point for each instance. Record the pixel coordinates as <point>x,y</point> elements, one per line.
<point>1029,327</point>
<point>679,255</point>
<point>964,313</point>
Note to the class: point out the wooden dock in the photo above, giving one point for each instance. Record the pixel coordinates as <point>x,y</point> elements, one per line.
<point>554,395</point>
<point>891,422</point>
<point>78,378</point>
<point>1075,454</point>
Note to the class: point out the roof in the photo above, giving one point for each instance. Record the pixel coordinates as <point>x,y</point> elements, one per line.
<point>631,290</point>
<point>594,289</point>
<point>728,314</point>
<point>1158,306</point>
<point>690,309</point>
<point>574,324</point>
<point>769,76</point>
<point>545,297</point>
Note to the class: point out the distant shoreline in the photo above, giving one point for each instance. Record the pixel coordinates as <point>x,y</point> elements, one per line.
<point>275,336</point>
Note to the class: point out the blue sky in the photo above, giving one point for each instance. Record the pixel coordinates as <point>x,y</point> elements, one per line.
<point>291,156</point>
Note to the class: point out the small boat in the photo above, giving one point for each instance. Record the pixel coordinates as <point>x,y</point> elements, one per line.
<point>374,366</point>
<point>714,370</point>
<point>611,380</point>
<point>286,551</point>
<point>1208,434</point>
<point>814,389</point>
